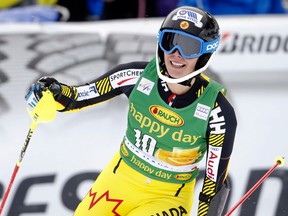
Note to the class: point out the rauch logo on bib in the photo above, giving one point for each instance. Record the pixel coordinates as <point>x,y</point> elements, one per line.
<point>166,116</point>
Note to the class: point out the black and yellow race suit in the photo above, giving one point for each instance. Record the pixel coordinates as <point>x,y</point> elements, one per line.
<point>155,170</point>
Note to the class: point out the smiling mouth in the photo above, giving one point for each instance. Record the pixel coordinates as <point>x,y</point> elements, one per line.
<point>177,65</point>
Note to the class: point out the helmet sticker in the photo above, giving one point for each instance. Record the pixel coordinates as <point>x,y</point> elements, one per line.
<point>184,25</point>
<point>189,16</point>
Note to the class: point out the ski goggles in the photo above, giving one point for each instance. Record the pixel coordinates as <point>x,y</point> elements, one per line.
<point>188,45</point>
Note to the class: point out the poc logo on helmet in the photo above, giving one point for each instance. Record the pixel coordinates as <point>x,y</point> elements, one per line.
<point>212,46</point>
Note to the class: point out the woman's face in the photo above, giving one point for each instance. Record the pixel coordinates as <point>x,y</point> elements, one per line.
<point>177,66</point>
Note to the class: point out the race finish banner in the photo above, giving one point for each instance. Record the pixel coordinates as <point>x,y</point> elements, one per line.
<point>66,156</point>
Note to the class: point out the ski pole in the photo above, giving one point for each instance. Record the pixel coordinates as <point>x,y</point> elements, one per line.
<point>279,161</point>
<point>44,111</point>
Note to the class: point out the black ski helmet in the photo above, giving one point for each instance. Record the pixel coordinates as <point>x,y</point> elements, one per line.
<point>193,21</point>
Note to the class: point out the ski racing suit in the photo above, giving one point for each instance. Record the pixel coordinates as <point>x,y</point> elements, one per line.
<point>154,172</point>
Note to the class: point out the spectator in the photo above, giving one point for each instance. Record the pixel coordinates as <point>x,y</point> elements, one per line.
<point>95,8</point>
<point>77,10</point>
<point>32,11</point>
<point>237,7</point>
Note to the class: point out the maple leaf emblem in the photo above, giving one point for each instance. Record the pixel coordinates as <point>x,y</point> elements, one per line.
<point>105,195</point>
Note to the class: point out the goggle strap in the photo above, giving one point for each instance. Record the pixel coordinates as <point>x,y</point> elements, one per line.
<point>211,46</point>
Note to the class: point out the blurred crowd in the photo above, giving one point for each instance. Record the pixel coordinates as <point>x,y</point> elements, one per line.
<point>90,10</point>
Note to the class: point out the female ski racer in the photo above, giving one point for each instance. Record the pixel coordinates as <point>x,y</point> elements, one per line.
<point>176,115</point>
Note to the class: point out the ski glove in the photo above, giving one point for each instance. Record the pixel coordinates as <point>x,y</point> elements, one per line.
<point>35,91</point>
